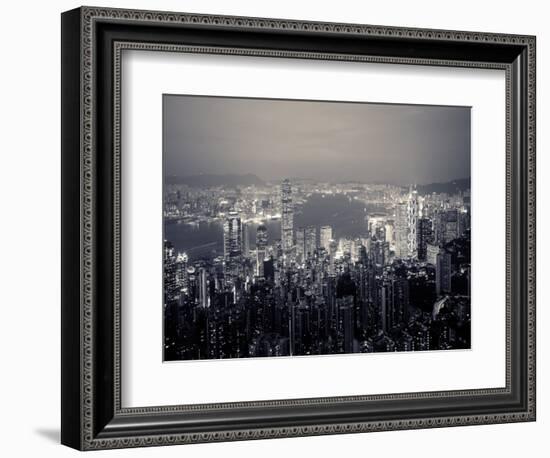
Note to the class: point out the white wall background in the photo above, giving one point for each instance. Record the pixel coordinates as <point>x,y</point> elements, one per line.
<point>30,215</point>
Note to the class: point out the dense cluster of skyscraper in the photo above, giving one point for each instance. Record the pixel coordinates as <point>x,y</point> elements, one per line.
<point>404,285</point>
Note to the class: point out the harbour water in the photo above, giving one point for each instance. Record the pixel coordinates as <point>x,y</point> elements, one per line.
<point>346,216</point>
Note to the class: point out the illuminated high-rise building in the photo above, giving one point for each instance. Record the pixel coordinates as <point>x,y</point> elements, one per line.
<point>355,249</point>
<point>393,297</point>
<point>406,217</point>
<point>401,230</point>
<point>451,228</point>
<point>332,252</point>
<point>246,239</point>
<point>384,296</point>
<point>389,233</point>
<point>412,218</point>
<point>400,311</point>
<point>375,223</point>
<point>261,249</point>
<point>432,250</point>
<point>344,246</point>
<point>306,242</point>
<point>301,244</point>
<point>181,270</point>
<point>325,235</point>
<point>446,225</point>
<point>204,298</point>
<point>379,253</point>
<point>192,283</point>
<point>423,236</point>
<point>344,331</point>
<point>463,220</point>
<point>232,244</point>
<point>443,273</point>
<point>171,290</point>
<point>310,238</point>
<point>287,219</point>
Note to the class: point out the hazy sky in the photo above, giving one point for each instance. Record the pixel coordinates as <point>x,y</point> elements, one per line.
<point>273,139</point>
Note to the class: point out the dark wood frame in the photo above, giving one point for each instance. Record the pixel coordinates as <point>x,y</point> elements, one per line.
<point>92,40</point>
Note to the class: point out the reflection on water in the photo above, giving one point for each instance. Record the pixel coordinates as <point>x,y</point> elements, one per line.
<point>346,216</point>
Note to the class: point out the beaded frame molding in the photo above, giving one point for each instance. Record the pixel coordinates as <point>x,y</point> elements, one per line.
<point>93,40</point>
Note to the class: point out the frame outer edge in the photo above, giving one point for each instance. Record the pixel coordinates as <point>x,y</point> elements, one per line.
<point>532,226</point>
<point>71,305</point>
<point>88,197</point>
<point>86,401</point>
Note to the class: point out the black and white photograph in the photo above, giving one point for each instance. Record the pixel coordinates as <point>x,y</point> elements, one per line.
<point>279,220</point>
<point>305,227</point>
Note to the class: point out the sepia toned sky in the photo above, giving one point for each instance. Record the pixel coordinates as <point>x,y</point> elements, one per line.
<point>337,141</point>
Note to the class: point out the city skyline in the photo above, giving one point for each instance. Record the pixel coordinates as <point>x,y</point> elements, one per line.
<point>329,266</point>
<point>342,141</point>
<point>403,285</point>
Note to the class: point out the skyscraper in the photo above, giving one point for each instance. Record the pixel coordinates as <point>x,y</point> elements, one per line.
<point>171,290</point>
<point>406,217</point>
<point>393,297</point>
<point>345,324</point>
<point>432,251</point>
<point>204,298</point>
<point>412,217</point>
<point>232,244</point>
<point>401,230</point>
<point>400,311</point>
<point>423,236</point>
<point>446,226</point>
<point>451,227</point>
<point>171,298</point>
<point>332,251</point>
<point>310,237</point>
<point>379,253</point>
<point>443,273</point>
<point>384,296</point>
<point>301,244</point>
<point>389,232</point>
<point>181,270</point>
<point>245,239</point>
<point>261,246</point>
<point>287,221</point>
<point>326,237</point>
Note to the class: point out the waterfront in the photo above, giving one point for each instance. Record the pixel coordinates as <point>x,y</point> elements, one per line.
<point>346,215</point>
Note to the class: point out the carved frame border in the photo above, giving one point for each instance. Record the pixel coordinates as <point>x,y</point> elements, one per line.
<point>88,17</point>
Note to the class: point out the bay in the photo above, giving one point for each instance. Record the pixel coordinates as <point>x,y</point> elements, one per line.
<point>346,215</point>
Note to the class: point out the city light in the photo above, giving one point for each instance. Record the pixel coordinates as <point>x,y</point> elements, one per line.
<point>388,270</point>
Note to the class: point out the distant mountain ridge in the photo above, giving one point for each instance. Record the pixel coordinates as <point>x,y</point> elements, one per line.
<point>207,180</point>
<point>212,180</point>
<point>450,187</point>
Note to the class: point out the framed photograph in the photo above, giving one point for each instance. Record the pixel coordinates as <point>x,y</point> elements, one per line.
<point>278,228</point>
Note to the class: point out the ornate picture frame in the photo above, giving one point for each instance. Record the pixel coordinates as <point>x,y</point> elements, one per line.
<point>92,413</point>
